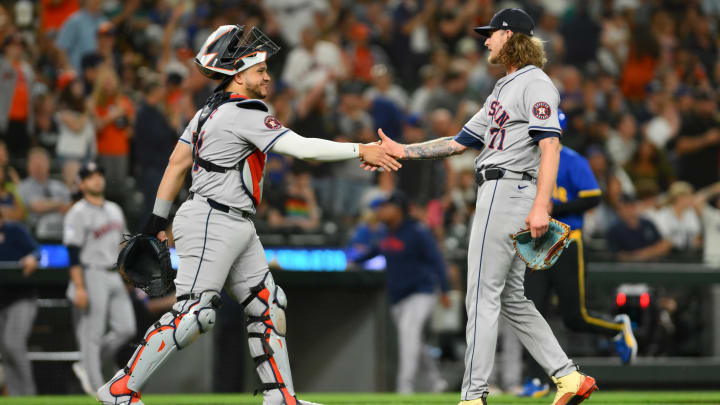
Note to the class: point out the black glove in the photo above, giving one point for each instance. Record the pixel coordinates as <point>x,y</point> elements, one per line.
<point>144,262</point>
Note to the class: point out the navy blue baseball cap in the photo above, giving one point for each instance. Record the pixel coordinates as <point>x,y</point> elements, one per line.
<point>397,198</point>
<point>513,19</point>
<point>89,168</point>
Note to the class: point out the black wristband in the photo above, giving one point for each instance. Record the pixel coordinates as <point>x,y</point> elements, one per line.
<point>154,225</point>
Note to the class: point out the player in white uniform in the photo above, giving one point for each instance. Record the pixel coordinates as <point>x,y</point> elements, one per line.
<point>517,131</point>
<point>225,145</point>
<point>103,312</point>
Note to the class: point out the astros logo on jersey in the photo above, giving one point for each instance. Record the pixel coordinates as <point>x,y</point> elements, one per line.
<point>272,122</point>
<point>542,110</point>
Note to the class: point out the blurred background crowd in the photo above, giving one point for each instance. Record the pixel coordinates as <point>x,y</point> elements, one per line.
<point>114,82</point>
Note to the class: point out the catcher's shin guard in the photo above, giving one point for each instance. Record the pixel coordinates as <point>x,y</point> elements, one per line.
<point>265,308</point>
<point>174,331</point>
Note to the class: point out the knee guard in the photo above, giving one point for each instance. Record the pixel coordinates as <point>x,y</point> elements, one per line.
<point>175,330</point>
<point>265,309</point>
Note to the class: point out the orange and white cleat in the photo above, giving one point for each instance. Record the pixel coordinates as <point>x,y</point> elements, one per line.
<point>573,388</point>
<point>116,392</point>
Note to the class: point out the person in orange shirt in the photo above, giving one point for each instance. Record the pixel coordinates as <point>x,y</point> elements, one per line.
<point>114,115</point>
<point>16,80</point>
<point>55,12</point>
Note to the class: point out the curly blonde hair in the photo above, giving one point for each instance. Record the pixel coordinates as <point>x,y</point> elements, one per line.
<point>521,50</point>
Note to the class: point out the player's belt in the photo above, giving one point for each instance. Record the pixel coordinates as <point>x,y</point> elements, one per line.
<point>219,206</point>
<point>496,173</point>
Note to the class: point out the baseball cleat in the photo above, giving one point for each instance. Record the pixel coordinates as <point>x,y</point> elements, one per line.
<point>116,392</point>
<point>301,402</point>
<point>476,401</point>
<point>625,344</point>
<point>573,388</point>
<point>534,388</point>
<point>82,376</point>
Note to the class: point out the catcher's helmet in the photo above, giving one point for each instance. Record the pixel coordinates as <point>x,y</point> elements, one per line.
<point>230,49</point>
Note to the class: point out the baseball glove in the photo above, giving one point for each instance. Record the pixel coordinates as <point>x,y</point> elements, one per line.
<point>144,262</point>
<point>541,253</point>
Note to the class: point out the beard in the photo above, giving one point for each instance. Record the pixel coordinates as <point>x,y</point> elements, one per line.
<point>494,59</point>
<point>256,91</point>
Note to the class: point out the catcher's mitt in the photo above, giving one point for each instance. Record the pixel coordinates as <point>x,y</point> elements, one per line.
<point>543,252</point>
<point>144,262</point>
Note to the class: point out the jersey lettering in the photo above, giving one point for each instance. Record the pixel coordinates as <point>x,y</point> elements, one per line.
<point>502,119</point>
<point>110,226</point>
<point>198,145</point>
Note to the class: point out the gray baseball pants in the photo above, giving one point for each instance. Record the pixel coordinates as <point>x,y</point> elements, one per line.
<point>410,315</point>
<point>495,287</point>
<point>16,322</point>
<point>106,324</point>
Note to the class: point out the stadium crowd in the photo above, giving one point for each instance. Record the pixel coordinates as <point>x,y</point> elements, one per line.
<point>114,82</point>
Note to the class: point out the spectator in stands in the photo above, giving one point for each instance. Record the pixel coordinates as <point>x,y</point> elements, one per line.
<point>46,125</point>
<point>382,86</point>
<point>363,55</point>
<point>47,200</point>
<point>294,15</point>
<point>581,34</point>
<point>649,164</point>
<point>78,34</point>
<point>16,104</point>
<point>430,79</point>
<point>634,238</point>
<point>91,65</point>
<point>707,204</point>
<point>55,12</point>
<point>622,143</point>
<point>297,208</point>
<point>310,62</point>
<point>639,68</point>
<point>153,142</point>
<point>11,206</point>
<point>18,307</point>
<point>678,222</point>
<point>114,115</point>
<point>106,46</point>
<point>451,93</point>
<point>76,138</point>
<point>698,144</point>
<point>12,174</point>
<point>70,171</point>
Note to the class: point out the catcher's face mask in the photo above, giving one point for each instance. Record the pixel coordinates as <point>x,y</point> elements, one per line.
<point>230,49</point>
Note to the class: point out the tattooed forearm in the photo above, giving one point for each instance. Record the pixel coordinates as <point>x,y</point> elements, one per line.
<point>435,149</point>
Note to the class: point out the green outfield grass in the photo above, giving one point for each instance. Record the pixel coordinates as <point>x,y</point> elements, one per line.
<point>599,398</point>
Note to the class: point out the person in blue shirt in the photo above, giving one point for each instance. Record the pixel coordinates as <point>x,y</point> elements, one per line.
<point>576,191</point>
<point>415,270</point>
<point>18,307</point>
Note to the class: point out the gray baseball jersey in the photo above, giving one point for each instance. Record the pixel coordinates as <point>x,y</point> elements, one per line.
<point>97,230</point>
<point>236,133</point>
<point>522,102</point>
<point>522,109</point>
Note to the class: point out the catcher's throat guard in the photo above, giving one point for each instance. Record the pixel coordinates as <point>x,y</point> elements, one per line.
<point>144,262</point>
<point>542,253</point>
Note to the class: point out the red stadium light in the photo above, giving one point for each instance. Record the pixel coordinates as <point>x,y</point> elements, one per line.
<point>644,300</point>
<point>621,299</point>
